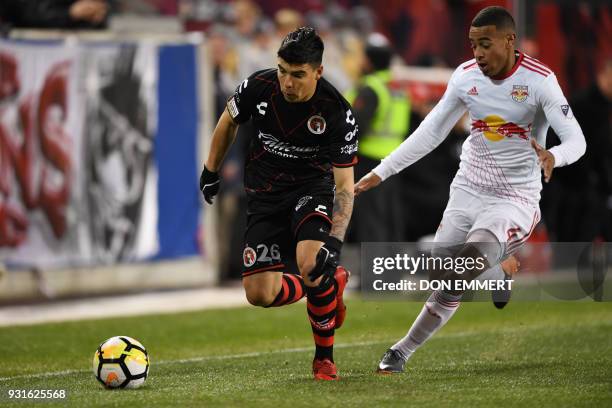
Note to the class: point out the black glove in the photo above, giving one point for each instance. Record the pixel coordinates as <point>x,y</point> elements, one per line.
<point>209,184</point>
<point>327,259</point>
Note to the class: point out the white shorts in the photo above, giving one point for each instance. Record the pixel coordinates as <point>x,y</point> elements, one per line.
<point>511,223</point>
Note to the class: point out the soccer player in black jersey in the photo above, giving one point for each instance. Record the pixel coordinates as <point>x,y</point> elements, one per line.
<point>299,183</point>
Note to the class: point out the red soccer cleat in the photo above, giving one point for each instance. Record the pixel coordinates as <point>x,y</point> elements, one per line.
<point>324,370</point>
<point>342,277</point>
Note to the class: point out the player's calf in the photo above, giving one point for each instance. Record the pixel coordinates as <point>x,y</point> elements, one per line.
<point>273,289</point>
<point>292,289</point>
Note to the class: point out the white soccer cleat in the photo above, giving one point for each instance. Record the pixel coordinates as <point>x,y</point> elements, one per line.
<point>392,362</point>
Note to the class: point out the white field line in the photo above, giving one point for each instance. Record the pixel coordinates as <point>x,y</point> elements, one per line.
<point>221,357</point>
<point>506,330</point>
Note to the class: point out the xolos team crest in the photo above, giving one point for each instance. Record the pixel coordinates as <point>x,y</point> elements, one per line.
<point>249,256</point>
<point>316,124</point>
<point>519,92</point>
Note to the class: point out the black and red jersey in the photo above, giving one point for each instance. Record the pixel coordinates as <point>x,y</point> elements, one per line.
<point>293,143</point>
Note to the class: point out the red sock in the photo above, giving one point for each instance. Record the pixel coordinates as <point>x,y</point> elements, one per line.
<point>291,291</point>
<point>322,315</point>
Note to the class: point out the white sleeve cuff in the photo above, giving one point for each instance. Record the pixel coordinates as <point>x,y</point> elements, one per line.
<point>382,171</point>
<point>559,159</point>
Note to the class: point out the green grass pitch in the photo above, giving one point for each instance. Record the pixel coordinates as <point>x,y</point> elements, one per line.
<point>529,354</point>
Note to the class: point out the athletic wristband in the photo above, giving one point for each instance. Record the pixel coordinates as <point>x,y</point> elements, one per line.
<point>333,243</point>
<point>207,172</point>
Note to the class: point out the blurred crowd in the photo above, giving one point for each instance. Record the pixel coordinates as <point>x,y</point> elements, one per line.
<point>573,38</point>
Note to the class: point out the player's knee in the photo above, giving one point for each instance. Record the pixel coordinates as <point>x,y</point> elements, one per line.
<point>259,295</point>
<point>305,266</point>
<point>306,258</point>
<point>259,298</point>
<point>485,244</point>
<point>476,256</point>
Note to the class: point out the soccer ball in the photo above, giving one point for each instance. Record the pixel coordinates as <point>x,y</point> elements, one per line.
<point>121,362</point>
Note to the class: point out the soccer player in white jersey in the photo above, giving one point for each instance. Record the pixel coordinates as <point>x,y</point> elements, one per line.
<point>494,198</point>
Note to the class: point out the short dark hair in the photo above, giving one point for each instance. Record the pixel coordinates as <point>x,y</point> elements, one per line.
<point>496,16</point>
<point>378,51</point>
<point>302,46</point>
<point>379,57</point>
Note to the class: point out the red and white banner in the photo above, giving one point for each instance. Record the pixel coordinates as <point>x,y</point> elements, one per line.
<point>52,104</point>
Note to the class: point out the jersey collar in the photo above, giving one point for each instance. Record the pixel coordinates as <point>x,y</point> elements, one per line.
<point>517,63</point>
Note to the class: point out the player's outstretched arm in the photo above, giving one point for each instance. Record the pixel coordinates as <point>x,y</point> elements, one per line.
<point>223,137</point>
<point>367,182</point>
<point>546,159</point>
<point>559,114</point>
<point>430,133</point>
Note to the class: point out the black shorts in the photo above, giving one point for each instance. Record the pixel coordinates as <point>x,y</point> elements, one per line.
<point>273,230</point>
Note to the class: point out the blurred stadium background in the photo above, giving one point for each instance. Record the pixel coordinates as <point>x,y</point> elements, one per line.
<point>105,117</point>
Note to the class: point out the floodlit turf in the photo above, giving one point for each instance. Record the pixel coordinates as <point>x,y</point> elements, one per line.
<point>530,354</point>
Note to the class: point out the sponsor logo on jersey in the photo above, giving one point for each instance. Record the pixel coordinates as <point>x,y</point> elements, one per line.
<point>316,124</point>
<point>351,134</point>
<point>567,111</point>
<point>249,256</point>
<point>473,91</point>
<point>283,149</point>
<point>495,128</point>
<point>302,202</point>
<point>232,108</point>
<point>243,85</point>
<point>261,108</point>
<point>520,93</point>
<point>350,149</point>
<point>321,209</point>
<point>350,119</point>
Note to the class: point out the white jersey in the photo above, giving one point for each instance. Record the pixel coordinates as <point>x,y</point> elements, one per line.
<point>497,158</point>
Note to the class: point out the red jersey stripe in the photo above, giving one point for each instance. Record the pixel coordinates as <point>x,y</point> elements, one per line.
<point>536,66</point>
<point>538,62</point>
<point>535,70</point>
<point>470,66</point>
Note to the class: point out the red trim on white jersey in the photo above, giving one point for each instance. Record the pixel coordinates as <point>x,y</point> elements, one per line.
<point>508,74</point>
<point>538,63</point>
<point>535,69</point>
<point>472,65</point>
<point>512,246</point>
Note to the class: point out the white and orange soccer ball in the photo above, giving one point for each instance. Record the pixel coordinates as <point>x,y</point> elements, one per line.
<point>121,362</point>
